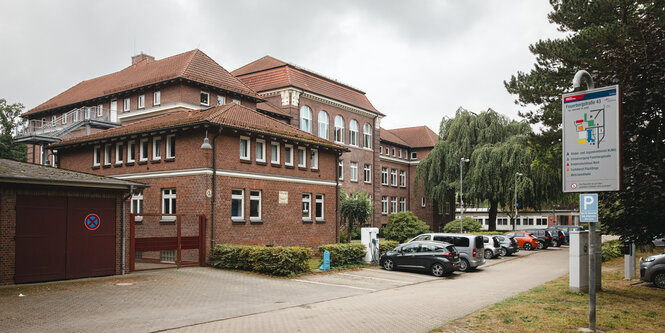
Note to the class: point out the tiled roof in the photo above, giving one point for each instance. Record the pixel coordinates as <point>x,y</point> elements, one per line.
<point>416,137</point>
<point>28,173</point>
<point>193,65</point>
<point>269,73</point>
<point>229,115</point>
<point>267,106</point>
<point>386,135</point>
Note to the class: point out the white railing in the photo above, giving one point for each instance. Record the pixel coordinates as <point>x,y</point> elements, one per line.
<point>52,125</point>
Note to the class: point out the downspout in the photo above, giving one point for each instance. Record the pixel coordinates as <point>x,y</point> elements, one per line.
<point>214,189</point>
<point>337,197</point>
<point>123,246</point>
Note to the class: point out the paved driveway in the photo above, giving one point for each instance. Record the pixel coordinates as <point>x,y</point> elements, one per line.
<point>206,299</point>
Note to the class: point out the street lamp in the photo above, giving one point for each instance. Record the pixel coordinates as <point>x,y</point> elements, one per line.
<point>461,193</point>
<point>515,222</point>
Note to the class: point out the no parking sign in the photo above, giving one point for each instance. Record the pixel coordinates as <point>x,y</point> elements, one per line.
<point>92,221</point>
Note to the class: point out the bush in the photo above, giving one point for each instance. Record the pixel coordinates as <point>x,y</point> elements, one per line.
<point>485,232</point>
<point>404,225</point>
<point>610,250</point>
<point>345,255</point>
<point>278,261</point>
<point>387,245</point>
<point>468,224</point>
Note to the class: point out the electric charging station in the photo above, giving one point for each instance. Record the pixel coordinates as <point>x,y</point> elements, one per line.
<point>629,264</point>
<point>369,237</point>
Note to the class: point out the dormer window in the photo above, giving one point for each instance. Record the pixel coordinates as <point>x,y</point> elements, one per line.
<point>205,98</point>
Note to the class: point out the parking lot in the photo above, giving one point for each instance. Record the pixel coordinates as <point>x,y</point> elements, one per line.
<point>203,298</point>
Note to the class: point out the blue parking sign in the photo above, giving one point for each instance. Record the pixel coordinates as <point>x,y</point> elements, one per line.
<point>589,207</point>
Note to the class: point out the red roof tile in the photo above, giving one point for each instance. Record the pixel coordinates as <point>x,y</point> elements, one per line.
<point>267,106</point>
<point>416,137</point>
<point>386,135</point>
<point>269,73</point>
<point>193,65</point>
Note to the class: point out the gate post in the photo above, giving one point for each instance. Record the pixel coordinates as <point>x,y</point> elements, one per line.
<point>202,240</point>
<point>179,222</point>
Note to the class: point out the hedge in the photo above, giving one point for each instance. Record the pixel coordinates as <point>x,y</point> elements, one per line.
<point>611,249</point>
<point>278,261</point>
<point>345,255</point>
<point>387,245</point>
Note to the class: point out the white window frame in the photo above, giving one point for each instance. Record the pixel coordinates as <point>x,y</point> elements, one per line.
<point>100,110</point>
<point>414,155</point>
<point>367,173</point>
<point>314,159</point>
<point>306,118</point>
<point>107,154</point>
<point>254,197</point>
<point>207,94</point>
<point>307,199</point>
<point>54,120</point>
<point>367,136</point>
<point>76,116</point>
<point>340,169</point>
<point>393,177</point>
<point>221,100</point>
<point>127,105</point>
<point>138,199</point>
<point>393,151</point>
<point>319,215</point>
<point>384,205</point>
<point>170,147</point>
<point>393,204</point>
<point>131,153</point>
<point>384,176</point>
<point>324,124</point>
<point>118,153</point>
<point>157,98</point>
<point>156,148</point>
<point>353,166</point>
<point>354,128</point>
<point>402,178</point>
<point>288,155</point>
<point>237,101</point>
<point>96,155</point>
<point>171,197</point>
<point>248,150</point>
<point>423,203</point>
<point>88,113</point>
<point>339,129</point>
<point>260,150</point>
<point>143,152</point>
<point>240,197</point>
<point>141,101</point>
<point>64,118</point>
<point>274,158</point>
<point>402,204</point>
<point>302,157</point>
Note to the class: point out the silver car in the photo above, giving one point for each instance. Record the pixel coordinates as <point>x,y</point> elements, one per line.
<point>470,247</point>
<point>492,247</point>
<point>652,269</point>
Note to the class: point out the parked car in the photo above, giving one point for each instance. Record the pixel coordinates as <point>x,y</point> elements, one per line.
<point>544,237</point>
<point>652,269</point>
<point>508,245</point>
<point>436,257</point>
<point>567,229</point>
<point>524,239</point>
<point>491,247</point>
<point>558,237</point>
<point>470,247</point>
<point>659,242</point>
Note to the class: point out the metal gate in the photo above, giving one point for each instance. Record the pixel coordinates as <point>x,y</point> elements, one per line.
<point>166,241</point>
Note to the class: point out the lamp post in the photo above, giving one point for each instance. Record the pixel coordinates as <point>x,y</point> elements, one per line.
<point>461,193</point>
<point>515,222</point>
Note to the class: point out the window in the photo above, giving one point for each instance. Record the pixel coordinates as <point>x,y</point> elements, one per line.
<point>306,207</point>
<point>157,98</point>
<point>288,155</point>
<point>302,157</point>
<point>354,171</point>
<point>339,129</point>
<point>100,110</point>
<point>319,207</point>
<point>393,204</point>
<point>384,176</point>
<point>237,204</point>
<point>205,98</point>
<point>107,154</point>
<point>88,113</point>
<point>367,173</point>
<point>402,204</point>
<point>414,155</point>
<point>168,201</point>
<point>393,177</point>
<point>221,100</point>
<point>255,205</point>
<point>170,146</point>
<point>157,148</point>
<point>64,118</point>
<point>143,150</point>
<point>260,150</point>
<point>127,104</point>
<point>76,116</point>
<point>400,153</point>
<point>324,122</point>
<point>314,159</point>
<point>384,205</point>
<point>244,148</point>
<point>353,132</point>
<point>306,119</point>
<point>53,120</point>
<point>367,136</point>
<point>137,204</point>
<point>381,150</point>
<point>131,147</point>
<point>237,101</point>
<point>167,256</point>
<point>402,178</point>
<point>422,202</point>
<point>118,153</point>
<point>141,102</point>
<point>274,152</point>
<point>96,156</point>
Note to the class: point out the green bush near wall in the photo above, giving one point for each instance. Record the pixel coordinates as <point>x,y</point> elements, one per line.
<point>345,255</point>
<point>611,249</point>
<point>277,261</point>
<point>387,245</point>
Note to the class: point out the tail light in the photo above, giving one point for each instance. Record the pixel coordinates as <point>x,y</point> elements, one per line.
<point>447,255</point>
<point>474,253</point>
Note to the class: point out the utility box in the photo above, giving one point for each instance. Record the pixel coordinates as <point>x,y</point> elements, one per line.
<point>579,261</point>
<point>629,260</point>
<point>369,237</point>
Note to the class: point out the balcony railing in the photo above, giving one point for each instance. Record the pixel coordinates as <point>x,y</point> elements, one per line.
<point>54,126</point>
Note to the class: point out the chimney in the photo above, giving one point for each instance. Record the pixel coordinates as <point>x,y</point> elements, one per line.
<point>142,56</point>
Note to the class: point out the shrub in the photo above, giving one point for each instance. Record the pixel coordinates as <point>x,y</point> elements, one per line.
<point>345,255</point>
<point>485,232</point>
<point>404,225</point>
<point>612,249</point>
<point>468,224</point>
<point>387,245</point>
<point>278,261</point>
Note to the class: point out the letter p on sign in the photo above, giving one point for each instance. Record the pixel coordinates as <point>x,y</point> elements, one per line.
<point>589,207</point>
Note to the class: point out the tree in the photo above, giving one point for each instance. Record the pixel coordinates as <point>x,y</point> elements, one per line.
<point>468,225</point>
<point>404,225</point>
<point>9,121</point>
<point>618,42</point>
<point>356,208</point>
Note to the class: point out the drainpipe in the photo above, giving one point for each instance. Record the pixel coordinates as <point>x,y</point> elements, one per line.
<point>214,189</point>
<point>123,246</point>
<point>337,197</point>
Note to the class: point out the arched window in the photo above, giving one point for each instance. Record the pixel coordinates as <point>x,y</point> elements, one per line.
<point>367,136</point>
<point>324,123</point>
<point>306,119</point>
<point>353,132</point>
<point>339,129</point>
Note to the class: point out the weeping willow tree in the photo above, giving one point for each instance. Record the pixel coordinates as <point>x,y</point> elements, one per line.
<point>498,149</point>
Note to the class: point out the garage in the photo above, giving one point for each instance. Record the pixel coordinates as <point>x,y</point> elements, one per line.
<point>58,224</point>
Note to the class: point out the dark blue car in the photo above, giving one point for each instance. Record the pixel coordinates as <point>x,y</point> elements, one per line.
<point>436,257</point>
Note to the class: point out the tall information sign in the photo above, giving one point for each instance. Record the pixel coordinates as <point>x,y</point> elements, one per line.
<point>591,140</point>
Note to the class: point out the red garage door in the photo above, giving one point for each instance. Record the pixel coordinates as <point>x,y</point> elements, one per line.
<point>53,242</point>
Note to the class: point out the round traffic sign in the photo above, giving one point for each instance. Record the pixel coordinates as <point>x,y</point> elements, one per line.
<point>92,221</point>
<point>573,186</point>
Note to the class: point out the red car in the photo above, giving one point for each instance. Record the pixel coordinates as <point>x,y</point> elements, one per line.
<point>524,239</point>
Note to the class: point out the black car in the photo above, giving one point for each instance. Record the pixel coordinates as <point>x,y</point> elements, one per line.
<point>508,245</point>
<point>558,237</point>
<point>439,258</point>
<point>544,237</point>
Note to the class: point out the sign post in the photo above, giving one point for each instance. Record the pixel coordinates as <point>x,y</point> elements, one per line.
<point>589,213</point>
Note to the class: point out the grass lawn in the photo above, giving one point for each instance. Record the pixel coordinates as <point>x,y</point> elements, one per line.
<point>622,306</point>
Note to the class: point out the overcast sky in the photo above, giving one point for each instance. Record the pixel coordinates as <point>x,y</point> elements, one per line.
<point>417,60</point>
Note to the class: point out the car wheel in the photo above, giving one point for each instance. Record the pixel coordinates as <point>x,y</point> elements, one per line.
<point>463,265</point>
<point>540,246</point>
<point>503,252</point>
<point>558,244</point>
<point>389,265</point>
<point>488,254</point>
<point>438,270</point>
<point>659,280</point>
<point>528,246</point>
